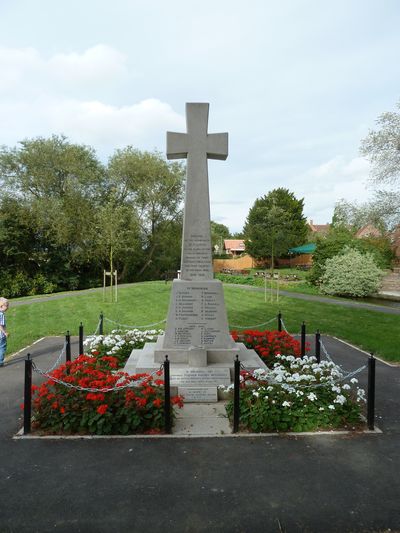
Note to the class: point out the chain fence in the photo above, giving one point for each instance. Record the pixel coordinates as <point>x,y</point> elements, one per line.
<point>255,326</point>
<point>127,326</point>
<point>131,385</point>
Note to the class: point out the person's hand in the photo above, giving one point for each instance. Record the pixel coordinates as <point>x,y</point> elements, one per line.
<point>6,334</point>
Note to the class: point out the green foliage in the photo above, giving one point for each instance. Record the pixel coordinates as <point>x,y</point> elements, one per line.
<point>337,240</point>
<point>13,284</point>
<point>274,224</point>
<point>66,217</point>
<point>219,232</point>
<point>351,274</point>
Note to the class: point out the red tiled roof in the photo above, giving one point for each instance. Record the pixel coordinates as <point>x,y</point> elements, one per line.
<point>234,244</point>
<point>319,228</point>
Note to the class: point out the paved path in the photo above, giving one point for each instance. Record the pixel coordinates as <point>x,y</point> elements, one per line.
<point>296,295</point>
<point>302,484</point>
<point>323,299</point>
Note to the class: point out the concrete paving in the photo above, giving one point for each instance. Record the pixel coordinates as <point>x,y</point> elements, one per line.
<point>323,483</point>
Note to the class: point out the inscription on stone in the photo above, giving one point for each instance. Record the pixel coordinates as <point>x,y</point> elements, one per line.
<point>196,376</point>
<point>197,256</point>
<point>198,394</point>
<point>196,310</point>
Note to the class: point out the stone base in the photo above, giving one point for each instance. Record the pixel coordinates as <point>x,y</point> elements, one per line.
<point>201,375</point>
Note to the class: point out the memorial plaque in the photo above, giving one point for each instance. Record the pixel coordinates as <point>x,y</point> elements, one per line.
<point>210,376</point>
<point>198,394</point>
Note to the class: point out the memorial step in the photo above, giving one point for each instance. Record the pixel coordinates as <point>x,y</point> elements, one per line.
<point>202,420</point>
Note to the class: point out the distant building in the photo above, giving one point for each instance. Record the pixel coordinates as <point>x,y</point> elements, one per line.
<point>368,231</point>
<point>234,246</point>
<point>318,229</point>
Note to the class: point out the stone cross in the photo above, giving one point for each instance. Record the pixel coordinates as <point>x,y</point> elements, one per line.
<point>197,146</point>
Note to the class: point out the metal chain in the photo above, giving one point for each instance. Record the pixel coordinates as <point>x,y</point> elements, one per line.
<point>251,327</point>
<point>135,327</point>
<point>90,389</point>
<point>310,386</point>
<point>284,326</point>
<point>98,327</point>
<point>51,368</point>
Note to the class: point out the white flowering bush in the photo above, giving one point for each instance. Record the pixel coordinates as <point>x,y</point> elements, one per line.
<point>114,349</point>
<point>351,274</point>
<point>298,394</point>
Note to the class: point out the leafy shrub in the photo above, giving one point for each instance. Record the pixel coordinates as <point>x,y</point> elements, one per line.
<point>298,394</point>
<point>351,274</point>
<point>137,408</point>
<point>338,240</point>
<point>41,285</point>
<point>269,344</point>
<point>119,343</point>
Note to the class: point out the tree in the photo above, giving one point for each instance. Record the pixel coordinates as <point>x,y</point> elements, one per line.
<point>219,232</point>
<point>63,184</point>
<point>383,212</point>
<point>274,224</point>
<point>154,188</point>
<point>382,148</point>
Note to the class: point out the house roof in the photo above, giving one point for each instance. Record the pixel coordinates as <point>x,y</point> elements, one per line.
<point>318,228</point>
<point>368,231</point>
<point>234,244</point>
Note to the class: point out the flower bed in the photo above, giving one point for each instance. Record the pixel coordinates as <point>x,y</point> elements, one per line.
<point>298,394</point>
<point>269,344</point>
<point>134,405</point>
<point>119,344</point>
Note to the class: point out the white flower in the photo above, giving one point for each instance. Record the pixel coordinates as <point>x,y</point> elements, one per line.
<point>346,386</point>
<point>331,407</point>
<point>340,399</point>
<point>311,396</point>
<point>321,409</point>
<point>256,393</point>
<point>286,404</point>
<point>354,380</point>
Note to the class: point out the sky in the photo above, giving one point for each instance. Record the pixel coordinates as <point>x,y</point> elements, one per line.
<point>297,84</point>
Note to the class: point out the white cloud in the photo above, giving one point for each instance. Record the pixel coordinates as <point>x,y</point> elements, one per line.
<point>25,72</point>
<point>326,184</point>
<point>42,96</point>
<point>97,64</point>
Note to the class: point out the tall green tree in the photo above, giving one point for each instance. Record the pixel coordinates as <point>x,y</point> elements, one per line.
<point>274,224</point>
<point>63,183</point>
<point>154,188</point>
<point>219,232</point>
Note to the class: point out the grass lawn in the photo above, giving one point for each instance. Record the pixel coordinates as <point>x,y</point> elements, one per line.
<point>294,286</point>
<point>146,303</point>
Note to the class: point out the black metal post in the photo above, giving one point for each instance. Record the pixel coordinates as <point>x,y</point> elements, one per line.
<point>81,339</point>
<point>303,339</point>
<point>167,397</point>
<point>236,396</point>
<point>101,326</point>
<point>371,392</point>
<point>318,346</point>
<point>67,347</point>
<point>279,321</point>
<point>28,395</point>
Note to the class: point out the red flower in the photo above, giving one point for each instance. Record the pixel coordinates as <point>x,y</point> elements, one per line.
<point>102,409</point>
<point>157,402</point>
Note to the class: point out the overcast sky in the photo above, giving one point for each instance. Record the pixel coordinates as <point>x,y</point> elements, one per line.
<point>296,83</point>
